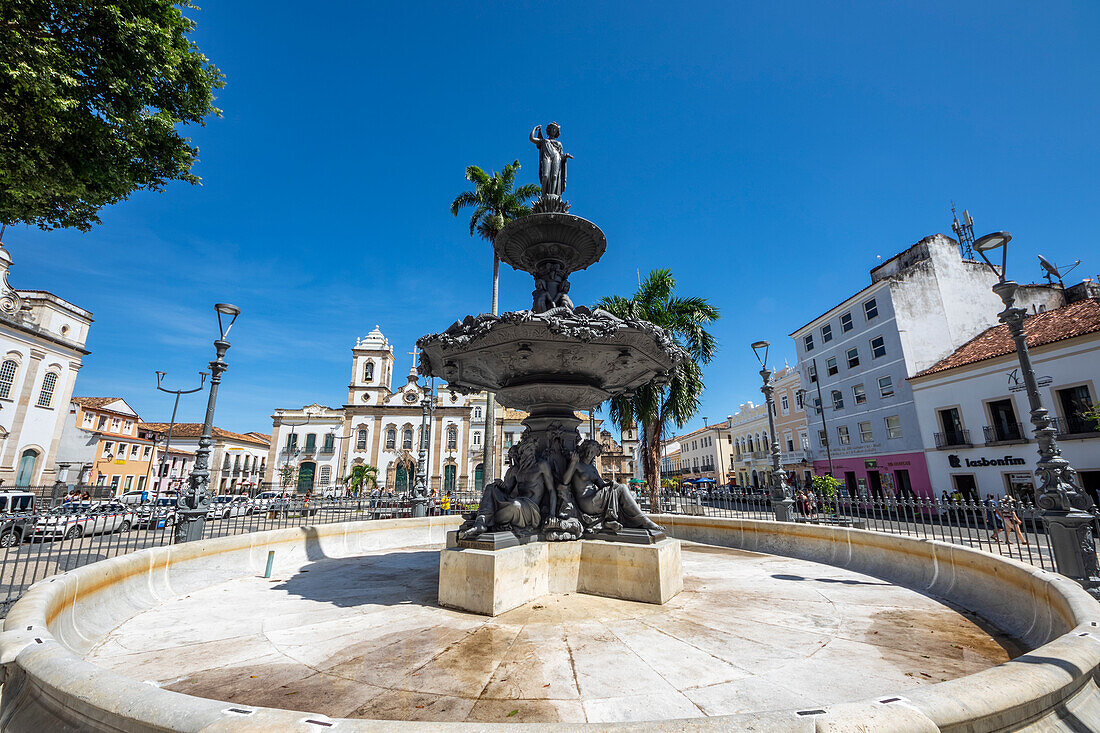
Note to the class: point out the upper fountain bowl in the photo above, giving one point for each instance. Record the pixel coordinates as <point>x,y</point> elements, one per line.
<point>570,240</point>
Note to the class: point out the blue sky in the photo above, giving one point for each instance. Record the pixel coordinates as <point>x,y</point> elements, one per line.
<point>766,152</point>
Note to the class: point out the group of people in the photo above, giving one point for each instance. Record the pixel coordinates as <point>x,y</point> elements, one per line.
<point>1001,516</point>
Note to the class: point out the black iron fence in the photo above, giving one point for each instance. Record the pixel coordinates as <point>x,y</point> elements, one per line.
<point>1007,527</point>
<point>55,531</point>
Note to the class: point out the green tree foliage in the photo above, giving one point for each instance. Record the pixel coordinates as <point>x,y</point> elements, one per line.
<point>362,479</point>
<point>91,94</point>
<point>656,405</point>
<point>494,199</point>
<point>287,476</point>
<point>826,486</point>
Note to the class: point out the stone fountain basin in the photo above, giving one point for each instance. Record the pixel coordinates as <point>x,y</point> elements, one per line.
<point>49,685</point>
<point>577,358</point>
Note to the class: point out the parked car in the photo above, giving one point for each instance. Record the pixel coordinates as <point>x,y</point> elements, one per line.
<point>133,497</point>
<point>264,500</point>
<point>156,514</point>
<point>78,519</point>
<point>225,506</point>
<point>15,516</point>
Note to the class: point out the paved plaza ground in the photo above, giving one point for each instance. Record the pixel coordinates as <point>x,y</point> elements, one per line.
<point>362,637</point>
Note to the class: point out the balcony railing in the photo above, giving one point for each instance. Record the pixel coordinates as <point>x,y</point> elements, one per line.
<point>1008,433</point>
<point>760,454</point>
<point>1075,427</point>
<point>327,450</point>
<point>953,439</point>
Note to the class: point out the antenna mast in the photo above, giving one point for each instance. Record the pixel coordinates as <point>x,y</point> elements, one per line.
<point>964,231</point>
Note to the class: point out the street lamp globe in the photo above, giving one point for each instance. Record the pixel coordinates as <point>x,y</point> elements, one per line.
<point>231,312</point>
<point>760,348</point>
<point>990,242</point>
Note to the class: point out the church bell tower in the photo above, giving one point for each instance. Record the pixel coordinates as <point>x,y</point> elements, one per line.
<point>371,369</point>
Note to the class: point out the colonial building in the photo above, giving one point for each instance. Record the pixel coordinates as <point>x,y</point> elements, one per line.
<point>307,448</point>
<point>974,412</point>
<point>791,426</point>
<point>238,461</point>
<point>41,349</point>
<point>856,358</point>
<point>122,456</point>
<point>751,446</point>
<point>706,453</point>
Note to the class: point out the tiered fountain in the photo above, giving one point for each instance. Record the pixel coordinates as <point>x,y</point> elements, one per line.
<point>551,361</point>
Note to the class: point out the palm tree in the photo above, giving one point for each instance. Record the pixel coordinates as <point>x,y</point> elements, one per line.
<point>363,477</point>
<point>655,405</point>
<point>495,202</point>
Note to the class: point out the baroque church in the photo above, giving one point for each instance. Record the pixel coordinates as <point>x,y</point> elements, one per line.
<point>315,447</point>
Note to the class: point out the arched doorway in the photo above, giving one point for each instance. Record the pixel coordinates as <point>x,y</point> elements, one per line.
<point>479,477</point>
<point>449,473</point>
<point>305,476</point>
<point>755,480</point>
<point>403,477</point>
<point>27,464</point>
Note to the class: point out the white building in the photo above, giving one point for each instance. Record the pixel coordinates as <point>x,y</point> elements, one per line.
<point>751,445</point>
<point>42,341</point>
<point>238,460</point>
<point>307,448</point>
<point>974,412</point>
<point>921,305</point>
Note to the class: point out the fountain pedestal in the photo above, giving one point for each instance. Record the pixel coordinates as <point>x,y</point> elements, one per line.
<point>491,582</point>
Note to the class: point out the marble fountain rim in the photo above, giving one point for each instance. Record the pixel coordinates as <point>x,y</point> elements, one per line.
<point>44,673</point>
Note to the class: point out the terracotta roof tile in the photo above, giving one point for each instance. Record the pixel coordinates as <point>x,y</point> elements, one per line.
<point>194,430</point>
<point>95,402</point>
<point>1069,321</point>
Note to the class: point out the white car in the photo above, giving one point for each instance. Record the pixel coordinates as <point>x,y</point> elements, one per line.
<point>264,500</point>
<point>225,506</point>
<point>73,520</point>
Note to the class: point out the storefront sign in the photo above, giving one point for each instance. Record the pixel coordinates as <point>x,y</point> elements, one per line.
<point>955,462</point>
<point>1016,382</point>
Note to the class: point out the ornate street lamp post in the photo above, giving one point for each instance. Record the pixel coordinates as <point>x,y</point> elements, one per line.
<point>420,485</point>
<point>161,469</point>
<point>782,501</point>
<point>1060,500</point>
<point>191,506</point>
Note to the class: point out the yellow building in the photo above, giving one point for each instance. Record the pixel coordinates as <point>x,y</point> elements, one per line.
<point>122,459</point>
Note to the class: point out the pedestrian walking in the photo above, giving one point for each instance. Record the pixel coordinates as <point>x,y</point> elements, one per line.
<point>993,519</point>
<point>1011,519</point>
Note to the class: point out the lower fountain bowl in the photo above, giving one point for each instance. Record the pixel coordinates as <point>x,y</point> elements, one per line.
<point>577,357</point>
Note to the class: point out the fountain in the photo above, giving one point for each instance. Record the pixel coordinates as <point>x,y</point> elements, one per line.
<point>551,361</point>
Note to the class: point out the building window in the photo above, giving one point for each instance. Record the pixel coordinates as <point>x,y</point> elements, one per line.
<point>128,427</point>
<point>878,347</point>
<point>893,427</point>
<point>799,401</point>
<point>784,404</point>
<point>1004,425</point>
<point>886,386</point>
<point>477,438</point>
<point>107,446</point>
<point>89,420</point>
<point>7,378</point>
<point>808,340</point>
<point>391,439</point>
<point>842,434</point>
<point>45,396</point>
<point>860,394</point>
<point>129,483</point>
<point>114,482</point>
<point>325,475</point>
<point>812,371</point>
<point>853,358</point>
<point>361,439</point>
<point>1075,403</point>
<point>329,444</point>
<point>368,371</point>
<point>141,483</point>
<point>407,439</point>
<point>102,422</point>
<point>225,463</point>
<point>838,400</point>
<point>291,442</point>
<point>477,413</point>
<point>826,333</point>
<point>508,438</point>
<point>311,443</point>
<point>115,424</point>
<point>865,432</point>
<point>134,451</point>
<point>830,366</point>
<point>846,322</point>
<point>449,477</point>
<point>452,438</point>
<point>870,309</point>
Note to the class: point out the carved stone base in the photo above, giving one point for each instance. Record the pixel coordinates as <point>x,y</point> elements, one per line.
<point>491,582</point>
<point>630,535</point>
<point>495,541</point>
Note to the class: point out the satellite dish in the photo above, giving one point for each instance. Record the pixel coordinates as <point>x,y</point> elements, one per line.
<point>1050,268</point>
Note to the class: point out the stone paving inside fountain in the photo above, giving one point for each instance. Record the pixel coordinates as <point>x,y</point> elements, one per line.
<point>363,637</point>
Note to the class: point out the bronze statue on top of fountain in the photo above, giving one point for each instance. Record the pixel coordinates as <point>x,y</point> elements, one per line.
<point>552,160</point>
